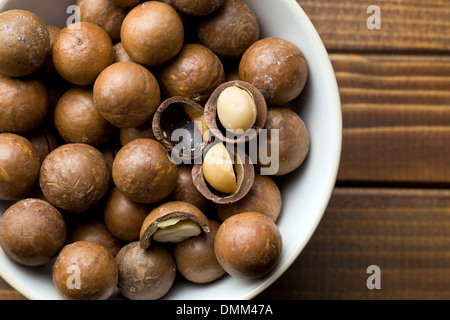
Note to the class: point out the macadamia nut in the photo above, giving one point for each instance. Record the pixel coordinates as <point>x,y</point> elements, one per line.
<point>218,169</point>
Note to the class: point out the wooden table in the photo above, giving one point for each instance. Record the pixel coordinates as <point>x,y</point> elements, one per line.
<point>391,204</point>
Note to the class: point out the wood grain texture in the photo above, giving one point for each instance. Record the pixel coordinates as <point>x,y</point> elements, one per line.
<point>403,231</point>
<point>419,26</point>
<point>396,118</point>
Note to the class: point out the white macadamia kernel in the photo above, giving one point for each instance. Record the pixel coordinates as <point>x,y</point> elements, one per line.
<point>218,169</point>
<point>176,230</point>
<point>236,109</point>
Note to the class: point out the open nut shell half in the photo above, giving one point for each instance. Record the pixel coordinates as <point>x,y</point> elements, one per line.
<point>245,175</point>
<point>179,125</point>
<point>216,127</point>
<point>178,211</point>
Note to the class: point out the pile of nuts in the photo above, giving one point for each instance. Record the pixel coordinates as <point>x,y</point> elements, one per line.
<point>139,143</point>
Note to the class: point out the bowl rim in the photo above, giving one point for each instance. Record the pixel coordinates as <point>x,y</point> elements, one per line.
<point>322,53</point>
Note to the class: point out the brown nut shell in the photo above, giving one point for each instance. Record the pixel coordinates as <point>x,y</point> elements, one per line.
<point>19,166</point>
<point>214,124</point>
<point>24,42</point>
<point>197,7</point>
<point>126,94</point>
<point>194,73</point>
<point>248,245</point>
<point>85,270</point>
<point>24,104</point>
<point>276,67</point>
<point>263,197</point>
<point>180,118</point>
<point>74,177</point>
<point>152,33</point>
<point>230,30</point>
<point>245,175</point>
<point>145,274</point>
<point>144,171</point>
<point>32,232</point>
<point>169,210</point>
<point>81,51</point>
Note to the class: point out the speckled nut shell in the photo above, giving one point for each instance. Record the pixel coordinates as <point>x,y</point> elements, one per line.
<point>126,94</point>
<point>129,134</point>
<point>19,166</point>
<point>169,210</point>
<point>125,3</point>
<point>293,140</point>
<point>24,104</point>
<point>144,171</point>
<point>105,14</point>
<point>181,113</point>
<point>230,30</point>
<point>152,33</point>
<point>213,122</point>
<point>120,55</point>
<point>194,73</point>
<point>197,7</point>
<point>77,119</point>
<point>81,51</point>
<point>85,270</point>
<point>74,177</point>
<point>32,232</point>
<point>245,174</point>
<point>44,141</point>
<point>276,67</point>
<point>24,42</point>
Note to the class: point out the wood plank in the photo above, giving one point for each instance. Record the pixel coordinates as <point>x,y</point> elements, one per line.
<point>403,231</point>
<point>419,26</point>
<point>9,293</point>
<point>396,117</point>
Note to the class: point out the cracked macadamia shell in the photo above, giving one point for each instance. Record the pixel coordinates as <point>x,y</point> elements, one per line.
<point>126,94</point>
<point>24,42</point>
<point>144,172</point>
<point>152,33</point>
<point>276,67</point>
<point>74,177</point>
<point>32,232</point>
<point>77,119</point>
<point>19,166</point>
<point>145,274</point>
<point>292,142</point>
<point>230,30</point>
<point>85,270</point>
<point>81,51</point>
<point>24,104</point>
<point>248,245</point>
<point>194,73</point>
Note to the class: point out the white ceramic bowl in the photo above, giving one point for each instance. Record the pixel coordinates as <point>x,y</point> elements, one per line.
<point>305,192</point>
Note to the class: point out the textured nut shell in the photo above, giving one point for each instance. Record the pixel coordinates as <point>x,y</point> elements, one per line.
<point>19,166</point>
<point>263,197</point>
<point>81,51</point>
<point>145,131</point>
<point>94,231</point>
<point>169,210</point>
<point>24,104</point>
<point>125,3</point>
<point>229,31</point>
<point>152,33</point>
<point>145,274</point>
<point>77,119</point>
<point>197,7</point>
<point>248,245</point>
<point>24,42</point>
<point>120,55</point>
<point>186,191</point>
<point>48,68</point>
<point>194,73</point>
<point>293,146</point>
<point>126,94</point>
<point>144,172</point>
<point>44,141</point>
<point>276,67</point>
<point>94,265</point>
<point>105,14</point>
<point>211,112</point>
<point>32,232</point>
<point>74,177</point>
<point>123,217</point>
<point>196,259</point>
